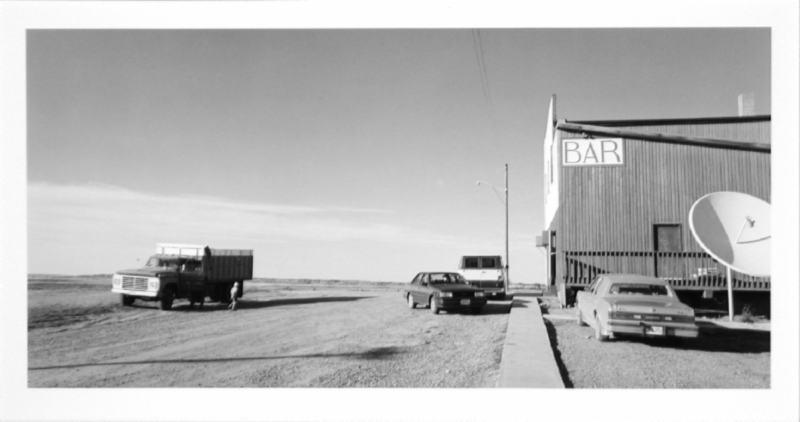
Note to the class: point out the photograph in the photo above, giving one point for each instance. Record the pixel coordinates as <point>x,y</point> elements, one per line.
<point>328,185</point>
<point>449,214</point>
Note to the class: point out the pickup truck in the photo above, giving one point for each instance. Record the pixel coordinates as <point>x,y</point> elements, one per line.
<point>636,305</point>
<point>486,273</point>
<point>193,272</point>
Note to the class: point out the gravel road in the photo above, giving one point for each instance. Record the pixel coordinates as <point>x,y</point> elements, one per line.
<point>284,335</point>
<point>719,358</point>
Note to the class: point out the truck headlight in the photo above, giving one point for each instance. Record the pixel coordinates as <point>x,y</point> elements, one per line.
<point>446,294</point>
<point>116,281</point>
<point>152,284</point>
<point>478,294</point>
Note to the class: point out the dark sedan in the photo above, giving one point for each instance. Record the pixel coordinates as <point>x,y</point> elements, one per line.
<point>443,291</point>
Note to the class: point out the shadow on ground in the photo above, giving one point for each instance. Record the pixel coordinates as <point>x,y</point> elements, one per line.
<point>254,304</point>
<point>494,308</point>
<point>528,294</point>
<point>714,338</point>
<point>376,353</point>
<point>551,333</point>
<point>491,308</point>
<point>247,304</point>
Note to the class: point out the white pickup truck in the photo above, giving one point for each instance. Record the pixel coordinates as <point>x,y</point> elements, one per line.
<point>485,272</point>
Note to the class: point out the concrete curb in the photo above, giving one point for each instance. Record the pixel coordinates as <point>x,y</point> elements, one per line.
<point>528,360</point>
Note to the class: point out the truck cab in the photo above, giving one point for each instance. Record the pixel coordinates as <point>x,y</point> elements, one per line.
<point>485,272</point>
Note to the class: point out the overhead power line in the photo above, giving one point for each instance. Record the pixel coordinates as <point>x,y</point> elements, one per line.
<point>477,45</point>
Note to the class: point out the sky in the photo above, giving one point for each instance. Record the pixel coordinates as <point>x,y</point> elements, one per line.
<point>336,154</point>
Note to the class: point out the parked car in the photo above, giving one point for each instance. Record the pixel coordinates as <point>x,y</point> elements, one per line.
<point>443,291</point>
<point>628,304</point>
<point>485,272</point>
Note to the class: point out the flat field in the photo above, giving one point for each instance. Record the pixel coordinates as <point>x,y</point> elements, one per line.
<point>285,334</point>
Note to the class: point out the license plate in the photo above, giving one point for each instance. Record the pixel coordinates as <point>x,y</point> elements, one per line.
<point>465,301</point>
<point>655,331</point>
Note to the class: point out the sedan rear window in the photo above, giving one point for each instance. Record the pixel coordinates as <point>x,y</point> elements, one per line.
<point>638,289</point>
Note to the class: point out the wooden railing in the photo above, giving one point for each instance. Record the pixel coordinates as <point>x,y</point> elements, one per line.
<point>684,270</point>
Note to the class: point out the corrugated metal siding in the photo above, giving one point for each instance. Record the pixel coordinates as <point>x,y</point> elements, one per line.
<point>613,208</point>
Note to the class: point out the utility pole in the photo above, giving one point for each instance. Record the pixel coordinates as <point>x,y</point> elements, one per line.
<point>507,278</point>
<point>496,190</point>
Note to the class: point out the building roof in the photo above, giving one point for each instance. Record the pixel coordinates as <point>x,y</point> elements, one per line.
<point>678,121</point>
<point>654,130</point>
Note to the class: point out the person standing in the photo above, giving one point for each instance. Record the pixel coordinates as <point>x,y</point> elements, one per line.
<point>234,296</point>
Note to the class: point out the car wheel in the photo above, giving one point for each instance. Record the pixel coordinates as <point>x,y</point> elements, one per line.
<point>598,330</point>
<point>411,303</point>
<point>434,306</point>
<point>579,318</point>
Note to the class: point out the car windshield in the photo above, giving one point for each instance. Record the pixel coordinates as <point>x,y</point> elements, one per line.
<point>638,289</point>
<point>446,278</point>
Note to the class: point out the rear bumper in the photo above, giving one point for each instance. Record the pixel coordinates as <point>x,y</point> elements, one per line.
<point>644,329</point>
<point>488,290</point>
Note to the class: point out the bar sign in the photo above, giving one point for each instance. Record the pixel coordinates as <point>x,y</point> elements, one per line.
<point>592,152</point>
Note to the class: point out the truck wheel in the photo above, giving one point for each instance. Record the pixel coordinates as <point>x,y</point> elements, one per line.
<point>197,298</point>
<point>166,300</point>
<point>126,300</point>
<point>226,293</point>
<point>411,303</point>
<point>434,307</point>
<point>219,294</point>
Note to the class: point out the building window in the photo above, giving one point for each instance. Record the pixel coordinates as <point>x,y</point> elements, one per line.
<point>667,238</point>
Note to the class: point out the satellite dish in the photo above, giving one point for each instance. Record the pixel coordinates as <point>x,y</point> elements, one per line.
<point>733,228</point>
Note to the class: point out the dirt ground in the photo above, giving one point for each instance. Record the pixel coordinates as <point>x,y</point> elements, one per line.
<point>719,358</point>
<point>313,334</point>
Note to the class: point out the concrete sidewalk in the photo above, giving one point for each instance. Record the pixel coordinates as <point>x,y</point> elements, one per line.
<point>528,360</point>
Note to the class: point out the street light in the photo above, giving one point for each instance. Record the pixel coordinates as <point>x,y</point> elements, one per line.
<point>505,201</point>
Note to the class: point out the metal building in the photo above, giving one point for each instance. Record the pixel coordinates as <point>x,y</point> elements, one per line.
<point>618,194</point>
